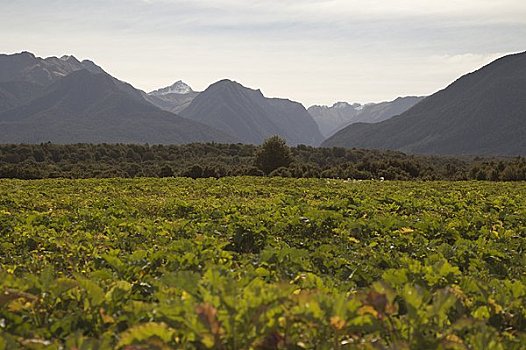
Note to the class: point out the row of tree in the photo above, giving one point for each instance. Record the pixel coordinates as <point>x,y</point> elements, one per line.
<point>273,158</point>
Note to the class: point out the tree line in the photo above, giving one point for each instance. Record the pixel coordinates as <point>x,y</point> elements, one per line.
<point>273,158</point>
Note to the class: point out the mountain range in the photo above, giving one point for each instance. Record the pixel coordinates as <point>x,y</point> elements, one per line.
<point>87,107</point>
<point>240,111</point>
<point>483,112</point>
<point>64,100</point>
<point>341,114</point>
<point>177,97</point>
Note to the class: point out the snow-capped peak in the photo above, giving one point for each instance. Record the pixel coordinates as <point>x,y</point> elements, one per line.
<point>178,87</point>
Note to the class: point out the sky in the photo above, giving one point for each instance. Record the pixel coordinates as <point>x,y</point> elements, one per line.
<point>311,51</point>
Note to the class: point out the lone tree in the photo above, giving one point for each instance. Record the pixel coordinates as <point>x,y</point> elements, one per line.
<point>273,154</point>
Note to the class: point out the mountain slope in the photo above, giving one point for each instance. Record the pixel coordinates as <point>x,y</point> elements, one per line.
<point>295,123</point>
<point>95,108</point>
<point>378,112</point>
<point>248,115</point>
<point>341,114</point>
<point>15,93</point>
<point>480,113</point>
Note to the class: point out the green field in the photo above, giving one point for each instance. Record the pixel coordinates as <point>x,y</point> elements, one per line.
<point>262,263</point>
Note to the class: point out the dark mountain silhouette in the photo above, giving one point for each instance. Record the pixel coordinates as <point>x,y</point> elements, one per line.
<point>483,112</point>
<point>248,115</point>
<point>342,114</point>
<point>94,107</point>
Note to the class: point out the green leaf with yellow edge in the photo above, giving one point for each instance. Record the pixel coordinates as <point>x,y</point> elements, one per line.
<point>143,332</point>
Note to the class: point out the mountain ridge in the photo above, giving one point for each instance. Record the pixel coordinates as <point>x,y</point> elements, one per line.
<point>481,113</point>
<point>341,114</point>
<point>25,66</point>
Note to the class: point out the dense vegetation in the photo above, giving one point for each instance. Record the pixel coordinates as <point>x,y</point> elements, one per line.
<point>218,160</point>
<point>261,263</point>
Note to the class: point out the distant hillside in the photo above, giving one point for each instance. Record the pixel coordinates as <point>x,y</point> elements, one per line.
<point>341,114</point>
<point>96,108</point>
<point>483,112</point>
<point>250,116</point>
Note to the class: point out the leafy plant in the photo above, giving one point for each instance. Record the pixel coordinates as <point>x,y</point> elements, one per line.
<point>262,263</point>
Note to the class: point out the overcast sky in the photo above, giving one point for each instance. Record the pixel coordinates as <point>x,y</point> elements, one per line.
<point>312,51</point>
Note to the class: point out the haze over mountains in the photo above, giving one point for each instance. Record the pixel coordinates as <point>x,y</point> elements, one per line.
<point>483,112</point>
<point>64,100</point>
<point>341,114</point>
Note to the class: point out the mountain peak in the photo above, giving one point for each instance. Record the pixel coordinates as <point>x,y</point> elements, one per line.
<point>223,83</point>
<point>25,53</point>
<point>70,59</point>
<point>179,87</point>
<point>235,87</point>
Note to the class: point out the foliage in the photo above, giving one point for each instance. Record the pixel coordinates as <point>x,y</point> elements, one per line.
<point>218,160</point>
<point>273,154</point>
<point>262,263</point>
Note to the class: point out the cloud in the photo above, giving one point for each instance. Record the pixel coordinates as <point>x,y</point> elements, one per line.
<point>327,11</point>
<point>316,51</point>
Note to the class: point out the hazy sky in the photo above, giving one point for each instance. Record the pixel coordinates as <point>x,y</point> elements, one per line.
<point>312,51</point>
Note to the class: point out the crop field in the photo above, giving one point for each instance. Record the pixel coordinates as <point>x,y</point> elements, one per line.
<point>262,263</point>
